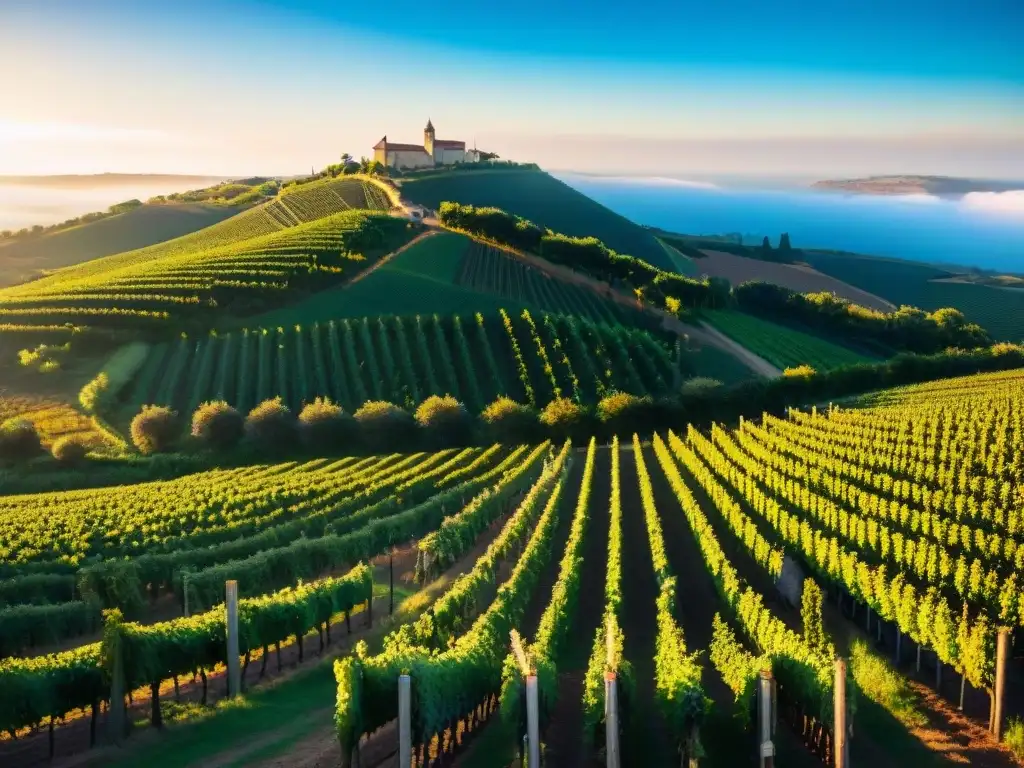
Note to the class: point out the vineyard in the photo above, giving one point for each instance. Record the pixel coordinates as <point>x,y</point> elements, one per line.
<point>492,270</point>
<point>662,566</point>
<point>326,231</point>
<point>530,357</point>
<point>781,346</point>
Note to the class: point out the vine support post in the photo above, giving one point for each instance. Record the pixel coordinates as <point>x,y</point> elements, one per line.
<point>231,605</point>
<point>391,580</point>
<point>184,589</point>
<point>839,741</point>
<point>611,720</point>
<point>533,721</point>
<point>999,693</point>
<point>404,721</point>
<point>765,702</point>
<point>115,710</point>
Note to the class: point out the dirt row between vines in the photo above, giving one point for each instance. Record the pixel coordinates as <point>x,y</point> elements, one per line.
<point>319,748</point>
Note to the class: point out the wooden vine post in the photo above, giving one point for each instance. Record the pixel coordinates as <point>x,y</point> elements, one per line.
<point>999,692</point>
<point>404,721</point>
<point>532,700</point>
<point>839,742</point>
<point>391,580</point>
<point>115,709</point>
<point>231,606</point>
<point>611,702</point>
<point>766,699</point>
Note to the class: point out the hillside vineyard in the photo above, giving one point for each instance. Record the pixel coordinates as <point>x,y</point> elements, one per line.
<point>529,356</point>
<point>906,505</point>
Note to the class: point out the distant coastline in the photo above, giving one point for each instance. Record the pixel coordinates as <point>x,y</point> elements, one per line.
<point>940,186</point>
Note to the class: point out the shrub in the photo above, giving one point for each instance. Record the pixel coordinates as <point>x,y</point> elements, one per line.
<point>624,414</point>
<point>384,426</point>
<point>700,386</point>
<point>565,418</point>
<point>507,421</point>
<point>19,440</point>
<point>271,425</point>
<point>70,450</point>
<point>217,425</point>
<point>154,429</point>
<point>800,372</point>
<point>1014,736</point>
<point>445,420</point>
<point>102,391</point>
<point>326,426</point>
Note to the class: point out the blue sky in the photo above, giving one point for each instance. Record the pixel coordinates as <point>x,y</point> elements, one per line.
<point>789,86</point>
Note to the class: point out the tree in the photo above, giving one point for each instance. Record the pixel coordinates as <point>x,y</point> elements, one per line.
<point>385,426</point>
<point>346,158</point>
<point>325,426</point>
<point>364,164</point>
<point>217,425</point>
<point>565,418</point>
<point>19,440</point>
<point>507,421</point>
<point>70,450</point>
<point>271,425</point>
<point>784,242</point>
<point>766,245</point>
<point>154,429</point>
<point>444,421</point>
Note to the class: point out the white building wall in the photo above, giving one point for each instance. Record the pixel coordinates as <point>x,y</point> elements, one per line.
<point>446,156</point>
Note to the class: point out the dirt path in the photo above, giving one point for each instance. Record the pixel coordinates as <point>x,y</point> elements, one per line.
<point>385,259</point>
<point>953,737</point>
<point>703,333</point>
<point>647,740</point>
<point>563,739</point>
<point>711,336</point>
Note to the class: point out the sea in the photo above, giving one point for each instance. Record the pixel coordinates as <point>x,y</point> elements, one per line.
<point>980,229</point>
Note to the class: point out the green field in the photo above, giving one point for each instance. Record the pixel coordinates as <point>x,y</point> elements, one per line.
<point>544,200</point>
<point>406,359</point>
<point>999,310</point>
<point>29,257</point>
<point>781,346</point>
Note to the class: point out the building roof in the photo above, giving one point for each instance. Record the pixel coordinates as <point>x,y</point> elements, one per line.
<point>449,144</point>
<point>393,146</point>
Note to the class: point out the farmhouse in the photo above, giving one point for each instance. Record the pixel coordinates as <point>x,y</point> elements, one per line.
<point>433,152</point>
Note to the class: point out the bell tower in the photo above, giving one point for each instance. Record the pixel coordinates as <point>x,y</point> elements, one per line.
<point>428,138</point>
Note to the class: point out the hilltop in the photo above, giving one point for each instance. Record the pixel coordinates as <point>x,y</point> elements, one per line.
<point>942,186</point>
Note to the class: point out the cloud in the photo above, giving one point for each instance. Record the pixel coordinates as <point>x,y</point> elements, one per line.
<point>647,181</point>
<point>1011,201</point>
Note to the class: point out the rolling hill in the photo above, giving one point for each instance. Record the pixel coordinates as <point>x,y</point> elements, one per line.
<point>27,258</point>
<point>546,201</point>
<point>997,309</point>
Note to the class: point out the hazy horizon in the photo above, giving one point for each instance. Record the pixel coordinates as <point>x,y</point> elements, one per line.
<point>239,87</point>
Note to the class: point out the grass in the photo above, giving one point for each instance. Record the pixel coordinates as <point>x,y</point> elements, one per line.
<point>1014,736</point>
<point>421,280</point>
<point>714,363</point>
<point>998,310</point>
<point>883,685</point>
<point>28,258</point>
<point>544,200</point>
<point>779,345</point>
<point>684,264</point>
<point>287,710</point>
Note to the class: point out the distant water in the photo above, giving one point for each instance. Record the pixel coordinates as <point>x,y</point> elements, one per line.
<point>23,205</point>
<point>981,229</point>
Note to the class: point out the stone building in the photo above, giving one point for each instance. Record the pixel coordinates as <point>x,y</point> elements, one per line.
<point>408,156</point>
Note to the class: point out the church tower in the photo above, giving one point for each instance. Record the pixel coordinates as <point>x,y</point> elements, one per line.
<point>428,138</point>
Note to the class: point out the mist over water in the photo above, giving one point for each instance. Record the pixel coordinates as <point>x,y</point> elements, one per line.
<point>980,229</point>
<point>24,205</point>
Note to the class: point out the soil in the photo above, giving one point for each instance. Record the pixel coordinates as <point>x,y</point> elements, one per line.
<point>563,739</point>
<point>796,277</point>
<point>646,740</point>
